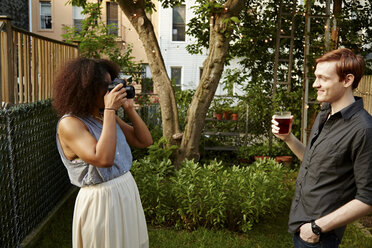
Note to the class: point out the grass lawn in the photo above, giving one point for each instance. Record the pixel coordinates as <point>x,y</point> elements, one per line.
<point>271,232</point>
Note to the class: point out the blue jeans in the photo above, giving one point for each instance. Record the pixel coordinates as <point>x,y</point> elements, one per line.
<point>327,240</point>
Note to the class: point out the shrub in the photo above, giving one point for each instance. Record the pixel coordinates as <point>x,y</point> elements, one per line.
<point>236,197</point>
<point>152,175</point>
<point>211,195</point>
<point>200,196</point>
<point>159,150</point>
<point>154,185</point>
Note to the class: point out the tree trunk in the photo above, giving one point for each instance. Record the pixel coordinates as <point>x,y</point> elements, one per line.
<point>212,70</point>
<point>134,10</point>
<point>337,8</point>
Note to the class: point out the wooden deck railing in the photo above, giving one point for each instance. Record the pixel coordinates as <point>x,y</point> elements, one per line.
<point>29,63</point>
<point>365,90</point>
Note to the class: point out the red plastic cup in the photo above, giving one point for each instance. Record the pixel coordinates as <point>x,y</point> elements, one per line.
<point>284,120</point>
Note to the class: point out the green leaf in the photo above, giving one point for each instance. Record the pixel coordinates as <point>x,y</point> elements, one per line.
<point>235,19</point>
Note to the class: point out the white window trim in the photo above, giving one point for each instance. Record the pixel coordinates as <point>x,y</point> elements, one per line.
<point>39,16</point>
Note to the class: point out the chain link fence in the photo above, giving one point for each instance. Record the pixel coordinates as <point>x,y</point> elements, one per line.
<point>32,177</point>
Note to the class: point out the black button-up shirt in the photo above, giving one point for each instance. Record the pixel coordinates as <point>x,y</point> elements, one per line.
<point>337,165</point>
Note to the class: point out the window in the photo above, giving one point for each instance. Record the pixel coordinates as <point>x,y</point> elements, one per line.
<point>112,17</point>
<point>78,17</point>
<point>179,23</point>
<point>176,75</point>
<point>45,15</point>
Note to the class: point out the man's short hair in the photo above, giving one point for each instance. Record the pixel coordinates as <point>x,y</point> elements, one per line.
<point>347,63</point>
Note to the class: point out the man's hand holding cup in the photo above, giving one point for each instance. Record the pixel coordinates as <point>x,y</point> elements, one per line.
<point>282,124</point>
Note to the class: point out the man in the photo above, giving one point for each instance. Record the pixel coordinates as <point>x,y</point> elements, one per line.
<point>334,184</point>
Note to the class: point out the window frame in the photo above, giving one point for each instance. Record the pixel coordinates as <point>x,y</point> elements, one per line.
<point>108,21</point>
<point>181,72</point>
<point>184,24</point>
<point>51,15</point>
<point>74,10</point>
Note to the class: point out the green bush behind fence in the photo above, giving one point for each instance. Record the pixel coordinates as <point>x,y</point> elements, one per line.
<point>32,176</point>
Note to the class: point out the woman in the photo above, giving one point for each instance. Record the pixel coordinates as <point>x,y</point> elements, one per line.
<point>94,146</point>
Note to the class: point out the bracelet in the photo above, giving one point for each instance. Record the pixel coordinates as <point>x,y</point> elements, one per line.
<point>110,109</point>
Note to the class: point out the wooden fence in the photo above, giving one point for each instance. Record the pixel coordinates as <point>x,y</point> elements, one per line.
<point>365,90</point>
<point>29,63</point>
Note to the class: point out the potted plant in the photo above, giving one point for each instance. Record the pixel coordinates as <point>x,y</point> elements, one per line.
<point>217,107</point>
<point>261,151</point>
<point>285,160</point>
<point>226,111</point>
<point>226,108</point>
<point>245,155</point>
<point>281,154</point>
<point>253,152</point>
<point>235,113</point>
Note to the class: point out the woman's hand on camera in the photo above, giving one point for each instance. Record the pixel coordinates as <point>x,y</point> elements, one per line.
<point>116,97</point>
<point>128,104</point>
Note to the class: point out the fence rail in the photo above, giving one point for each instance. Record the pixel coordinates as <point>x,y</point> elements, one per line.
<point>29,63</point>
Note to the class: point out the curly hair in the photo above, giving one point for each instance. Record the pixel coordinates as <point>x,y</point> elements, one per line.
<point>78,84</point>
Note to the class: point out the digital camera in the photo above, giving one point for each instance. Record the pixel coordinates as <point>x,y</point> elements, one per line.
<point>129,89</point>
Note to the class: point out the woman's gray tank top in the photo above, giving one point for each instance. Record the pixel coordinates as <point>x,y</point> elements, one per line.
<point>83,174</point>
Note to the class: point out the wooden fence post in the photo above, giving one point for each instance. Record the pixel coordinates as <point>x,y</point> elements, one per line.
<point>7,65</point>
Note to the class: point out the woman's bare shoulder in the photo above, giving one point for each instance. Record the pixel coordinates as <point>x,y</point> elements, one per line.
<point>70,126</point>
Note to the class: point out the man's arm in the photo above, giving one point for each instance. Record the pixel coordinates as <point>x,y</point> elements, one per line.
<point>342,216</point>
<point>296,146</point>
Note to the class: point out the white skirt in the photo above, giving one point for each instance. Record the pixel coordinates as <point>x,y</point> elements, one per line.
<point>110,215</point>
